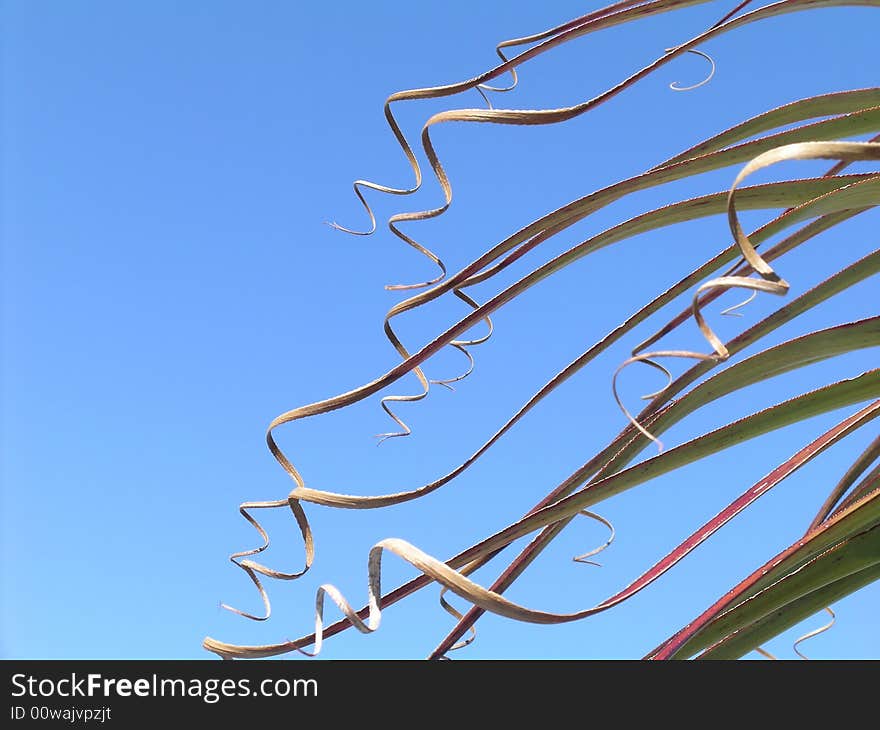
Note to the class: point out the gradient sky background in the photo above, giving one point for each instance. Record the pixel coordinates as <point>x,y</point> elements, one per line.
<point>169,286</point>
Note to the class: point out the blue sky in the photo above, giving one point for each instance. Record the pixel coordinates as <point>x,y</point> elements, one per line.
<point>169,287</point>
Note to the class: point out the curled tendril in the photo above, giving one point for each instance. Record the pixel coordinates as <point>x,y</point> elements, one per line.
<point>483,88</point>
<point>252,568</point>
<point>447,382</point>
<point>731,311</point>
<point>514,80</point>
<point>769,281</point>
<point>462,345</point>
<point>583,558</point>
<point>488,105</point>
<point>382,437</point>
<point>659,391</point>
<point>648,359</point>
<point>675,86</point>
<point>458,344</point>
<point>805,637</point>
<point>814,632</point>
<point>457,615</point>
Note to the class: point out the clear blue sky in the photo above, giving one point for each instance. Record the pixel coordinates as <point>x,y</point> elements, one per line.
<point>169,287</point>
